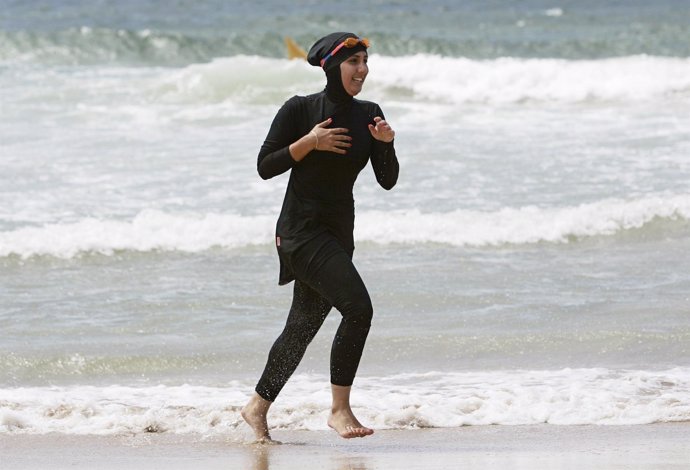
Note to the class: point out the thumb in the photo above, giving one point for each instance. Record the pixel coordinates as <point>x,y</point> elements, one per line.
<point>373,130</point>
<point>324,123</point>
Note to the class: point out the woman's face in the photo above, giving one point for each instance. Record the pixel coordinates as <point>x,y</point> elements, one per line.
<point>353,72</point>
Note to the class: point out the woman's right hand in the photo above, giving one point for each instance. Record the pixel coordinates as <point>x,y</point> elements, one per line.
<point>333,140</point>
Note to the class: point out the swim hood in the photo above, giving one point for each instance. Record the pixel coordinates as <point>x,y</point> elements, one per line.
<point>321,50</point>
<point>324,47</point>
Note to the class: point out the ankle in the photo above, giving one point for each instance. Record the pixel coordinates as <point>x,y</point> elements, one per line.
<point>258,404</point>
<point>340,408</point>
<point>341,398</point>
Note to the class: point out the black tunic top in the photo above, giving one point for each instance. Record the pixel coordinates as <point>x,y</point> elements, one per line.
<point>319,197</point>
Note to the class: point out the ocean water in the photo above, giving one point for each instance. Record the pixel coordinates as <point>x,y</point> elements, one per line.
<point>531,266</point>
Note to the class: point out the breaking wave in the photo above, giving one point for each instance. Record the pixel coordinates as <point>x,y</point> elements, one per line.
<point>446,80</point>
<point>153,230</point>
<point>430,400</point>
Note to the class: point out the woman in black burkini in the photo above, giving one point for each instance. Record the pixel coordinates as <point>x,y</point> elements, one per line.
<point>325,140</point>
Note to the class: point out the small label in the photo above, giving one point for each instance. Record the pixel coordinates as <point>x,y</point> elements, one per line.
<point>277,241</point>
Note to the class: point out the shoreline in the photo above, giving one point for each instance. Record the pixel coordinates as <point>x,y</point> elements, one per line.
<point>658,446</point>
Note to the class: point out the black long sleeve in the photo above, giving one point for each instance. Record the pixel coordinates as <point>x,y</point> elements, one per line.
<point>299,115</point>
<point>319,197</point>
<point>274,156</point>
<point>385,164</point>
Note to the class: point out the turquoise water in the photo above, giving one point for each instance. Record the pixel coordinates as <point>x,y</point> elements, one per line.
<point>185,32</point>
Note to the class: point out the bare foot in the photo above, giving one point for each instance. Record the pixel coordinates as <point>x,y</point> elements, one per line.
<point>267,441</point>
<point>254,413</point>
<point>343,421</point>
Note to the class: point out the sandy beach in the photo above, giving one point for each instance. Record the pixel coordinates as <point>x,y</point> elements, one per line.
<point>657,446</point>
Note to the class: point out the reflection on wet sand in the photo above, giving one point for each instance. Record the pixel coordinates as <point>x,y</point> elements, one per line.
<point>261,458</point>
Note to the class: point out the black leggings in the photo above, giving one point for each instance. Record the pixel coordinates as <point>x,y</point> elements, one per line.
<point>326,278</point>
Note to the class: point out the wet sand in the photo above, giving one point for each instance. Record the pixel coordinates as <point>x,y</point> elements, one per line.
<point>657,446</point>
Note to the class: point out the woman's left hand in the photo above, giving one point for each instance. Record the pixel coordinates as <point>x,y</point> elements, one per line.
<point>381,131</point>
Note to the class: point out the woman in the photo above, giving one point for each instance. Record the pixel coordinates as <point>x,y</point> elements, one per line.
<point>325,140</point>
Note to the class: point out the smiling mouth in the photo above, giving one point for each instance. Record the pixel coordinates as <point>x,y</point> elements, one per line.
<point>358,80</point>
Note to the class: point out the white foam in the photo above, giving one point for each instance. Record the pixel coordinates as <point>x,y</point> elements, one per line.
<point>434,399</point>
<point>149,231</point>
<point>153,230</point>
<point>522,225</point>
<point>442,79</point>
<point>555,12</point>
<point>240,78</point>
<point>513,80</point>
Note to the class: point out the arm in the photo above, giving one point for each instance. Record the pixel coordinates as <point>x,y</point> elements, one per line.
<point>383,158</point>
<point>274,157</point>
<point>321,138</point>
<point>283,147</point>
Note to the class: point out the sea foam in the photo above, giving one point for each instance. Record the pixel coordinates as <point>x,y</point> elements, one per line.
<point>450,80</point>
<point>513,80</point>
<point>153,230</point>
<point>429,400</point>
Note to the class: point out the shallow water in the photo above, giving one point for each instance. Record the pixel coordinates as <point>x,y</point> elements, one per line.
<point>538,237</point>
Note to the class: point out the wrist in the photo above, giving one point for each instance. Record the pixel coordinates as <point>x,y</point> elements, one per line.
<point>316,139</point>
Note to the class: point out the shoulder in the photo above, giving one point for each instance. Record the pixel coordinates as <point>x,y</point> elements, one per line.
<point>292,108</point>
<point>366,104</point>
<point>369,107</point>
<point>293,102</point>
<point>298,101</point>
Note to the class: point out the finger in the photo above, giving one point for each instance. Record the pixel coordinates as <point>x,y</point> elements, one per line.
<point>377,119</point>
<point>339,151</point>
<point>339,130</point>
<point>324,123</point>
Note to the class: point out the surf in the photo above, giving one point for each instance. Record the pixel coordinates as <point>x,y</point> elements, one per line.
<point>434,399</point>
<point>445,80</point>
<point>153,230</point>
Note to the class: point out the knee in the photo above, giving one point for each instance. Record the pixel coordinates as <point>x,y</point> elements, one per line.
<point>359,312</point>
<point>300,333</point>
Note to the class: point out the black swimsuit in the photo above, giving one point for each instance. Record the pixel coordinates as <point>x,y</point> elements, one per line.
<point>314,233</point>
<point>319,192</point>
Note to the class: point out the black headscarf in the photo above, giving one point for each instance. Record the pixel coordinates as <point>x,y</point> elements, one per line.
<point>321,48</point>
